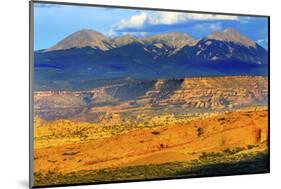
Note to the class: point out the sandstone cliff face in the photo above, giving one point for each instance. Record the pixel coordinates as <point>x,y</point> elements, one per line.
<point>175,95</point>
<point>223,92</point>
<point>208,93</point>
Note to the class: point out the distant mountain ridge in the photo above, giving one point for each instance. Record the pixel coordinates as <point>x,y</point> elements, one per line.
<point>87,56</point>
<point>94,39</point>
<point>228,45</point>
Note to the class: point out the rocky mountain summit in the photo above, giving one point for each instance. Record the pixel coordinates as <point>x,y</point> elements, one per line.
<point>231,35</point>
<point>83,38</point>
<point>90,57</point>
<point>94,39</point>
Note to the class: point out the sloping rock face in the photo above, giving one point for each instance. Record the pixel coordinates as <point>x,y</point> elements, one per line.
<point>221,92</point>
<point>172,142</point>
<point>176,96</point>
<point>83,38</point>
<point>232,35</point>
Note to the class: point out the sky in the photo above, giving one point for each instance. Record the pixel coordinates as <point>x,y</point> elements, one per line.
<point>53,22</point>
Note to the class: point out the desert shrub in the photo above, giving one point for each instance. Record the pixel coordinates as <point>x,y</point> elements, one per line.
<point>250,146</point>
<point>200,131</point>
<point>155,132</point>
<point>211,155</point>
<point>233,151</point>
<point>227,151</point>
<point>238,149</point>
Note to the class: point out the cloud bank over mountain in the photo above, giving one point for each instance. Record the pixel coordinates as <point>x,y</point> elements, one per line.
<point>118,22</point>
<point>150,21</point>
<point>144,19</point>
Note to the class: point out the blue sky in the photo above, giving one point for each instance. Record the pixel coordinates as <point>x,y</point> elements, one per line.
<point>53,22</point>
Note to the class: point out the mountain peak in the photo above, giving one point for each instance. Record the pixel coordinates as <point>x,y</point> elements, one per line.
<point>230,31</point>
<point>124,40</point>
<point>83,38</point>
<point>173,39</point>
<point>87,32</point>
<point>231,35</point>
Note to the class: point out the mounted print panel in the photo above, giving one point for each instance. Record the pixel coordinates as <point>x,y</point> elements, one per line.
<point>123,94</point>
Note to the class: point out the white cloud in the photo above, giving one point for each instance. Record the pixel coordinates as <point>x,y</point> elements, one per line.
<point>262,41</point>
<point>143,19</point>
<point>138,34</point>
<point>215,27</point>
<point>135,21</point>
<point>210,27</point>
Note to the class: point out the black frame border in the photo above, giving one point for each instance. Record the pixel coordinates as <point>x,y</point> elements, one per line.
<point>31,115</point>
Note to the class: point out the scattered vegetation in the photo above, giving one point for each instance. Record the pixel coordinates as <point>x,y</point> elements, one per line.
<point>62,132</point>
<point>208,164</point>
<point>250,146</point>
<point>233,151</point>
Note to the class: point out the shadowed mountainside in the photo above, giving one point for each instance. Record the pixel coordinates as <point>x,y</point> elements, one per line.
<point>87,59</point>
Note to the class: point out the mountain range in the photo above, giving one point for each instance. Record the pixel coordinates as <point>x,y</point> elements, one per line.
<point>88,58</point>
